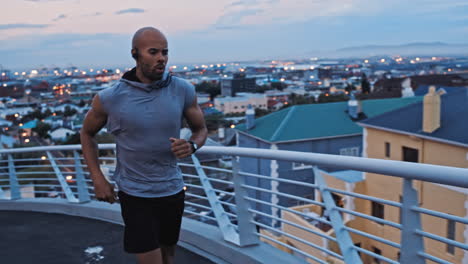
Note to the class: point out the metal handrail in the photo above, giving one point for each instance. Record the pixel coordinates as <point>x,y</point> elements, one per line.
<point>241,207</point>
<point>415,171</point>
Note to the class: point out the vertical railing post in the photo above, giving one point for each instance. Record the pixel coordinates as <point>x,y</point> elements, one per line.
<point>83,194</point>
<point>345,242</point>
<point>58,173</point>
<point>247,229</point>
<point>222,219</point>
<point>14,185</point>
<point>411,243</point>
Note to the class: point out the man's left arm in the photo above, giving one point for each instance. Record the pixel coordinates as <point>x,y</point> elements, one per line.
<point>196,121</point>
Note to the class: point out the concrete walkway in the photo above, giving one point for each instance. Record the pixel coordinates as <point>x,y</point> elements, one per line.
<point>43,238</point>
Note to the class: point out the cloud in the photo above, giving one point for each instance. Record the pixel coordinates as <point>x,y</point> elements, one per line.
<point>19,25</point>
<point>60,17</point>
<point>95,14</point>
<point>237,3</point>
<point>234,18</point>
<point>44,0</point>
<point>130,10</point>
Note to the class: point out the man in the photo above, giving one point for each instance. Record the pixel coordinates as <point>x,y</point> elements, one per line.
<point>144,112</point>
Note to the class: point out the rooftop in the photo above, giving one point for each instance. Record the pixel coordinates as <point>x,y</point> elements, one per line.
<point>315,121</point>
<point>454,108</point>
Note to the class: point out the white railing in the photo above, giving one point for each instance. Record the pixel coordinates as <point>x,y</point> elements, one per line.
<point>248,214</point>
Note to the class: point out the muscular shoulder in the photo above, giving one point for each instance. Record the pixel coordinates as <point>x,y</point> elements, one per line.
<point>182,84</point>
<point>109,96</point>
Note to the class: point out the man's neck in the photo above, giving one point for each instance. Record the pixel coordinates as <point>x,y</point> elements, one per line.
<point>142,77</point>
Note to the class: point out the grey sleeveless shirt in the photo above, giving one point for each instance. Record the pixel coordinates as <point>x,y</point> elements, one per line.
<point>143,117</point>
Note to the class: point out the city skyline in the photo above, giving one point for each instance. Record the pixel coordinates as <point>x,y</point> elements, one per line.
<point>83,32</point>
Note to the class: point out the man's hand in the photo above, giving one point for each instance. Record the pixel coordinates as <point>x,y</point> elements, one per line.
<point>104,191</point>
<point>181,147</point>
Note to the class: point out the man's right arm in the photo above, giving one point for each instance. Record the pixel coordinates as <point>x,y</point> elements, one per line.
<point>95,119</point>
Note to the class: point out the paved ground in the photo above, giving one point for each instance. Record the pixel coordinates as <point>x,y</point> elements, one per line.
<point>29,238</point>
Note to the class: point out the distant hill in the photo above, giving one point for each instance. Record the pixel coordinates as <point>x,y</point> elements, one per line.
<point>415,49</point>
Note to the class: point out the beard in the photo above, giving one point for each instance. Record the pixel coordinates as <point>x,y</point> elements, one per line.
<point>151,72</point>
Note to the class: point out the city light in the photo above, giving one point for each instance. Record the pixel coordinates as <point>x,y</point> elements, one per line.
<point>3,74</point>
<point>5,85</point>
<point>382,60</point>
<point>282,79</point>
<point>16,115</point>
<point>185,188</point>
<point>117,71</point>
<point>43,158</point>
<point>69,177</point>
<point>26,140</point>
<point>20,124</point>
<point>417,59</point>
<point>232,126</point>
<point>366,61</point>
<point>185,68</point>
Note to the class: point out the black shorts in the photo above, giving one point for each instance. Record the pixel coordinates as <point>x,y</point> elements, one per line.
<point>151,222</point>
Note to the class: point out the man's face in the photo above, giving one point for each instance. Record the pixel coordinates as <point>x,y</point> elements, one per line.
<point>152,55</point>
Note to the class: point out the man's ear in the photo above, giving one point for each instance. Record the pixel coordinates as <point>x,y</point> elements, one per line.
<point>135,53</point>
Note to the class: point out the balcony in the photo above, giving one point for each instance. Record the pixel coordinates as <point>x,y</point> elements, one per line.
<point>230,220</point>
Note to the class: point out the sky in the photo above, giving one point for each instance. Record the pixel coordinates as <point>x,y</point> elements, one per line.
<point>35,33</point>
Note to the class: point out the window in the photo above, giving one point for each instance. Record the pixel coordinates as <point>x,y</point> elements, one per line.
<point>300,166</point>
<point>387,149</point>
<point>410,154</point>
<point>378,252</point>
<point>451,235</point>
<point>294,202</point>
<point>378,210</point>
<point>354,151</point>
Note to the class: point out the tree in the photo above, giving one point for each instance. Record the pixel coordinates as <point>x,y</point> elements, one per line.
<point>69,111</point>
<point>365,85</point>
<point>82,103</point>
<point>329,98</point>
<point>211,88</point>
<point>42,129</point>
<point>349,87</point>
<point>278,85</point>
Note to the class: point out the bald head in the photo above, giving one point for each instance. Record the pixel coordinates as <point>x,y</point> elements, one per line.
<point>150,51</point>
<point>144,33</point>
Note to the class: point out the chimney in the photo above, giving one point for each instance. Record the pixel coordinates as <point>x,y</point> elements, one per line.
<point>250,117</point>
<point>407,89</point>
<point>431,110</point>
<point>353,107</point>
